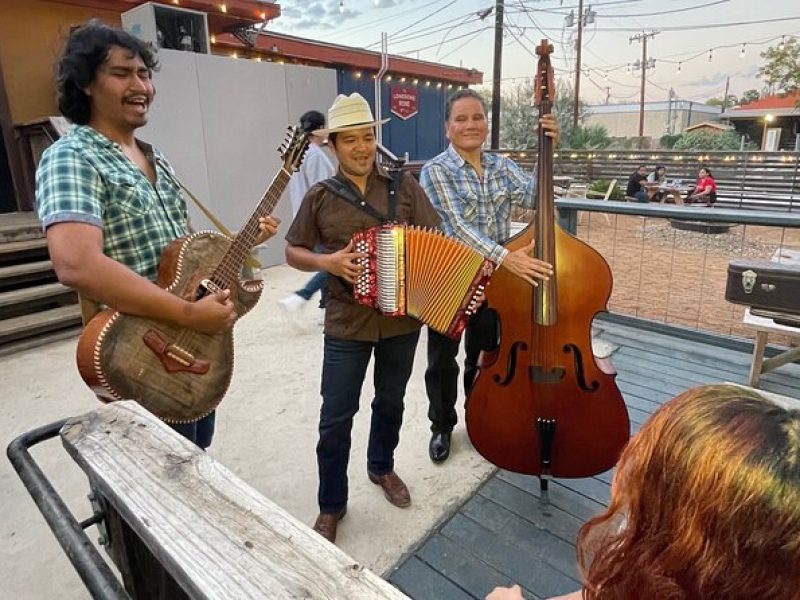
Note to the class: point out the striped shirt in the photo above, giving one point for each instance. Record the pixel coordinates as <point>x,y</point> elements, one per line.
<point>473,210</point>
<point>86,178</point>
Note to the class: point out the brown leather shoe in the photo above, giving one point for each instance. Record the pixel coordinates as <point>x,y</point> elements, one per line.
<point>326,524</point>
<point>394,489</point>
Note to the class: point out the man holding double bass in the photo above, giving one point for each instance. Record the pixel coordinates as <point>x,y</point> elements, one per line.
<point>473,192</point>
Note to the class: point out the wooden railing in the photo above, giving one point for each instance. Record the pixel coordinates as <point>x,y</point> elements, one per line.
<point>768,180</point>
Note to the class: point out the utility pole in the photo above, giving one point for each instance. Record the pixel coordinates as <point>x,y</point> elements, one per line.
<point>583,19</point>
<point>498,73</point>
<point>578,67</point>
<point>645,64</point>
<point>725,97</point>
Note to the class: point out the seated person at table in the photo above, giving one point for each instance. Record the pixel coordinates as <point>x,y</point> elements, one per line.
<point>658,176</point>
<point>635,191</point>
<point>705,190</point>
<point>705,505</point>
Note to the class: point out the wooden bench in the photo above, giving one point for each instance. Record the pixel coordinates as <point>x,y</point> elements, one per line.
<point>213,535</point>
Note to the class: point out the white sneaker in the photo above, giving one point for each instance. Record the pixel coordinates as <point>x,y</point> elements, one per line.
<point>292,303</point>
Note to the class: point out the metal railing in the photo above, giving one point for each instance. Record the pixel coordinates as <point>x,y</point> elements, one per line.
<point>667,277</point>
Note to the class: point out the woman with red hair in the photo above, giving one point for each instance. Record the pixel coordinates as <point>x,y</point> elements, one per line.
<point>705,505</point>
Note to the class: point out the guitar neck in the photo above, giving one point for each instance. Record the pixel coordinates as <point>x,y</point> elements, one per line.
<point>231,265</point>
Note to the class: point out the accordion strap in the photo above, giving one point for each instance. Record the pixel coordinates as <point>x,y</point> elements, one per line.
<point>343,190</point>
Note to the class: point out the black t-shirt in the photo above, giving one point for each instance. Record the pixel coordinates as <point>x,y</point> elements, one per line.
<point>635,184</point>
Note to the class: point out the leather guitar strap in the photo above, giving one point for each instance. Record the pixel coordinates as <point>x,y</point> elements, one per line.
<point>341,189</point>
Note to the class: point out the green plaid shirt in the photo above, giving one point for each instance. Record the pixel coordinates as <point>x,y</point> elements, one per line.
<point>86,178</point>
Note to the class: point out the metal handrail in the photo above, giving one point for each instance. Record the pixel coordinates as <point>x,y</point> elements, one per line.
<point>97,576</point>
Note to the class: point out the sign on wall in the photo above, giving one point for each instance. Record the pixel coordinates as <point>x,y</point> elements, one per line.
<point>404,101</point>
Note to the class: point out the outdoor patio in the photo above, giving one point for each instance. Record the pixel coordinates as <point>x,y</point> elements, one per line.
<point>502,535</point>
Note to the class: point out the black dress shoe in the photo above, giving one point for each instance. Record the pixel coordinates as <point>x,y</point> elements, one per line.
<point>439,448</point>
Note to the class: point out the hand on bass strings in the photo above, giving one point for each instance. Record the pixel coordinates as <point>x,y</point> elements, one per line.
<point>523,265</point>
<point>550,126</point>
<point>211,314</point>
<point>344,263</point>
<point>267,227</point>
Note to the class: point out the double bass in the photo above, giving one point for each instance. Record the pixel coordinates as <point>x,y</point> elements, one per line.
<point>540,404</point>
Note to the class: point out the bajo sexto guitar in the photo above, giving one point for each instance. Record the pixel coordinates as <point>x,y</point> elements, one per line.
<point>180,374</point>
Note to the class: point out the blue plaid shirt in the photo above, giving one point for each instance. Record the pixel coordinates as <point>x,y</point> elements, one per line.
<point>477,211</point>
<point>86,178</point>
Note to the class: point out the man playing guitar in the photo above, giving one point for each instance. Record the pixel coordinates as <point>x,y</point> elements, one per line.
<point>106,199</point>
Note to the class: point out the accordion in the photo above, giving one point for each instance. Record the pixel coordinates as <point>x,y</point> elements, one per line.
<point>420,273</point>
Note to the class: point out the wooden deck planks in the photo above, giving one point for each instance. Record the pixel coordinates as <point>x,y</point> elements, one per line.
<point>501,535</point>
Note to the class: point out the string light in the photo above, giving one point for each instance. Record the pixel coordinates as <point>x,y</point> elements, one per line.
<point>744,49</point>
<point>783,42</point>
<point>709,55</point>
<point>357,74</point>
<point>223,7</point>
<point>679,68</point>
<point>213,39</point>
<point>341,6</point>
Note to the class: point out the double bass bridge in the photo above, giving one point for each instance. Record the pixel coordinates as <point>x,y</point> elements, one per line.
<point>550,375</point>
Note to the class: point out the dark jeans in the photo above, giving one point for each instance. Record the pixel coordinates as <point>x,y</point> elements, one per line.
<point>441,376</point>
<point>343,369</point>
<point>317,283</point>
<point>200,432</point>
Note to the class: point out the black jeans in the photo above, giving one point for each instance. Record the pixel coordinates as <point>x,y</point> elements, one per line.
<point>343,369</point>
<point>441,376</point>
<point>200,432</point>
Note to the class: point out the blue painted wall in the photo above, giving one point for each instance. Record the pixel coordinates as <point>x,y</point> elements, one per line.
<point>422,136</point>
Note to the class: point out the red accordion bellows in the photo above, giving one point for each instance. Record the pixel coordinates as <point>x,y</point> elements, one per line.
<point>420,273</point>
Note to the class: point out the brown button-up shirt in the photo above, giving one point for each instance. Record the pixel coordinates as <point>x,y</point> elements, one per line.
<point>328,221</point>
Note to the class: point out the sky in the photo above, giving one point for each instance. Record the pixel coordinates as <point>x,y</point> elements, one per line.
<point>699,43</point>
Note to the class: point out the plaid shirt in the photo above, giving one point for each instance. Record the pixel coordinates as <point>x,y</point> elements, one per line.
<point>477,211</point>
<point>86,178</point>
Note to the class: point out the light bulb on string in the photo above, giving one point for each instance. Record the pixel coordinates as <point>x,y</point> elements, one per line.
<point>782,43</point>
<point>744,49</point>
<point>710,55</point>
<point>679,68</point>
<point>341,6</point>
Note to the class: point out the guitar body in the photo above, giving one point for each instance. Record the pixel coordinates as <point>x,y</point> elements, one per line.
<point>178,374</point>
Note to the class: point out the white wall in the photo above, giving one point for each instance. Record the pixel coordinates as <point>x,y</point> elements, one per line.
<point>220,121</point>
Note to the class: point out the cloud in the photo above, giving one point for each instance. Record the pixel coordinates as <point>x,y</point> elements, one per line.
<point>717,78</point>
<point>316,14</point>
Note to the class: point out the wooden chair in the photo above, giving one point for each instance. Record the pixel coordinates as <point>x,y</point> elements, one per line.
<point>600,196</point>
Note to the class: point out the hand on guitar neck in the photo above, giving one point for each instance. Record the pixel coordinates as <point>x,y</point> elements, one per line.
<point>523,265</point>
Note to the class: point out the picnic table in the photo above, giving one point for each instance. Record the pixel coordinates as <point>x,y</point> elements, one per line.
<point>668,191</point>
<point>766,324</point>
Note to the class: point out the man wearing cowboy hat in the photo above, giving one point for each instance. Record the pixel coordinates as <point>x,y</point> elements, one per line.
<point>354,333</point>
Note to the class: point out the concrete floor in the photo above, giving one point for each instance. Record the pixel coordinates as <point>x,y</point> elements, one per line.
<point>266,433</point>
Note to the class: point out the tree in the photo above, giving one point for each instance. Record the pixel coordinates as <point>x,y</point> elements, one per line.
<point>519,118</point>
<point>749,96</point>
<point>732,101</point>
<point>703,140</point>
<point>589,137</point>
<point>782,68</point>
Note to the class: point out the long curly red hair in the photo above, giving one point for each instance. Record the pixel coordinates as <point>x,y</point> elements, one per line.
<point>705,505</point>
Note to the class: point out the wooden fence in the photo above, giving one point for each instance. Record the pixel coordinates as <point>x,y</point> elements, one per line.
<point>767,180</point>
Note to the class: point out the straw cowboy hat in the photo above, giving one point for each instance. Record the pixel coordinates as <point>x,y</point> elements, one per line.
<point>349,112</point>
